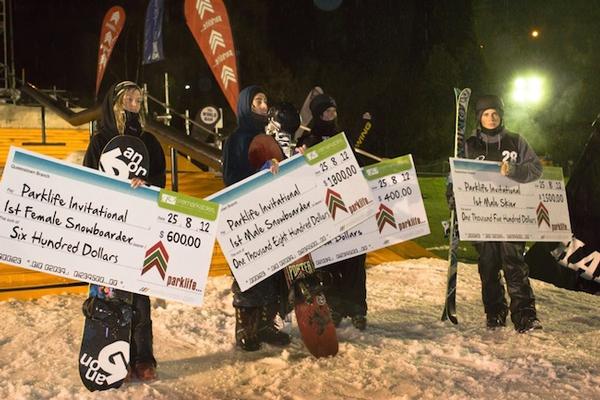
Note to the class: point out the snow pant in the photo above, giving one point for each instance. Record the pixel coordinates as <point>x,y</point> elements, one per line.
<point>263,293</point>
<point>346,290</point>
<point>257,306</point>
<point>508,257</point>
<point>141,331</point>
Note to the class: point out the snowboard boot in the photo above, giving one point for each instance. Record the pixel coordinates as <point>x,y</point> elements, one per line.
<point>528,323</point>
<point>145,371</point>
<point>110,313</point>
<point>267,331</point>
<point>495,321</point>
<point>359,322</point>
<point>246,328</point>
<point>336,317</point>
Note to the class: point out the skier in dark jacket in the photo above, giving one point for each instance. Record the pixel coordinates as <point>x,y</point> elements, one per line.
<point>346,291</point>
<point>257,307</point>
<point>493,142</point>
<point>122,114</point>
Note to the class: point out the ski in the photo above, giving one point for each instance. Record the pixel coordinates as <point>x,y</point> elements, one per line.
<point>462,103</point>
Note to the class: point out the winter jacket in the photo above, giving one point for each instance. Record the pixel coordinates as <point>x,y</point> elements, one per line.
<point>524,164</point>
<point>319,130</point>
<point>236,166</point>
<point>108,130</point>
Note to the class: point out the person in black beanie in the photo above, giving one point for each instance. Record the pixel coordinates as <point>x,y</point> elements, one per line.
<point>257,307</point>
<point>493,142</point>
<point>324,122</point>
<point>122,114</point>
<point>346,290</point>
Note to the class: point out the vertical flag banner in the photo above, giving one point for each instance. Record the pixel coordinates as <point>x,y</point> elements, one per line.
<point>209,23</point>
<point>112,25</point>
<point>153,33</point>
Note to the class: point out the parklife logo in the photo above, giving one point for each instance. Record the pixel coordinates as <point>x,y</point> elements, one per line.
<point>111,365</point>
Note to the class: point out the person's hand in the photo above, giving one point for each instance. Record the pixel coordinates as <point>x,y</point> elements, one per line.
<point>274,166</point>
<point>504,167</point>
<point>300,149</point>
<point>137,182</point>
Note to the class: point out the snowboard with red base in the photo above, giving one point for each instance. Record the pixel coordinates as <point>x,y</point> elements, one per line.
<point>105,345</point>
<point>312,311</point>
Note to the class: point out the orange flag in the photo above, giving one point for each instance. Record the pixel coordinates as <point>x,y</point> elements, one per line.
<point>111,29</point>
<point>209,23</point>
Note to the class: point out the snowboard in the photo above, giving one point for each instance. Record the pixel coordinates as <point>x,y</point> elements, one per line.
<point>104,353</point>
<point>305,113</point>
<point>312,311</point>
<point>462,102</point>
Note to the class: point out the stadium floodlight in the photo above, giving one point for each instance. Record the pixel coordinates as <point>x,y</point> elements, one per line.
<point>528,90</point>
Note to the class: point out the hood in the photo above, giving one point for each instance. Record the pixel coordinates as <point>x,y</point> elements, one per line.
<point>108,125</point>
<point>246,118</point>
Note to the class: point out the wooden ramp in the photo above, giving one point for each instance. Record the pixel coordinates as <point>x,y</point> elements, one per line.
<point>26,284</point>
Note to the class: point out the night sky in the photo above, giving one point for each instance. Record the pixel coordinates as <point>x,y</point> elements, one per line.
<point>397,59</point>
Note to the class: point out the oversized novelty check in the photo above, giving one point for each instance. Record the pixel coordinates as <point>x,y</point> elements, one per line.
<point>269,220</point>
<point>400,213</point>
<point>79,223</point>
<point>492,207</point>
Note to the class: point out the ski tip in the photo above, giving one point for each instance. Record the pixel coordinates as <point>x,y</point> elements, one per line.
<point>449,317</point>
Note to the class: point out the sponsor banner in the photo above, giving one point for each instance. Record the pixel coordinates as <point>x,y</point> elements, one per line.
<point>492,207</point>
<point>209,23</point>
<point>153,33</point>
<point>400,213</point>
<point>79,223</point>
<point>269,220</point>
<point>112,25</point>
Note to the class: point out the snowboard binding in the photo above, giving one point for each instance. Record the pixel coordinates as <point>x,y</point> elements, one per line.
<point>110,313</point>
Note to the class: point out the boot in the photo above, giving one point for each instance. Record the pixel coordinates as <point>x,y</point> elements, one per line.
<point>145,371</point>
<point>359,322</point>
<point>497,320</point>
<point>267,331</point>
<point>528,323</point>
<point>246,327</point>
<point>336,317</point>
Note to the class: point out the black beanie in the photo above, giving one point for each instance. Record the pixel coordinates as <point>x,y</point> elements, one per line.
<point>489,101</point>
<point>320,103</point>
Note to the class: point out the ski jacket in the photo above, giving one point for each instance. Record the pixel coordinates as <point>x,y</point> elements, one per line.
<point>524,164</point>
<point>319,130</point>
<point>108,130</point>
<point>236,166</point>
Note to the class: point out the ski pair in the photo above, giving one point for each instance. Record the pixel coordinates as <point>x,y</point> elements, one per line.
<point>462,103</point>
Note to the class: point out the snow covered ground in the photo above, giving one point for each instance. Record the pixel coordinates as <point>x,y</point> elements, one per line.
<point>406,352</point>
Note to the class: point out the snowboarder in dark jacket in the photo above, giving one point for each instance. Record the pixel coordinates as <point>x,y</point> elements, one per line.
<point>122,114</point>
<point>493,142</point>
<point>257,307</point>
<point>346,291</point>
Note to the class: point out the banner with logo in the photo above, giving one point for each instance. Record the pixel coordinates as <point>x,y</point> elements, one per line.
<point>209,23</point>
<point>492,207</point>
<point>79,223</point>
<point>269,220</point>
<point>400,213</point>
<point>112,25</point>
<point>153,33</point>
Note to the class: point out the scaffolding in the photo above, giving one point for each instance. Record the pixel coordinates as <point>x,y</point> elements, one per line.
<point>8,90</point>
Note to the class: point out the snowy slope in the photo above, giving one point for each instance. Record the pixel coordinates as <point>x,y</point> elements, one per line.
<point>406,352</point>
